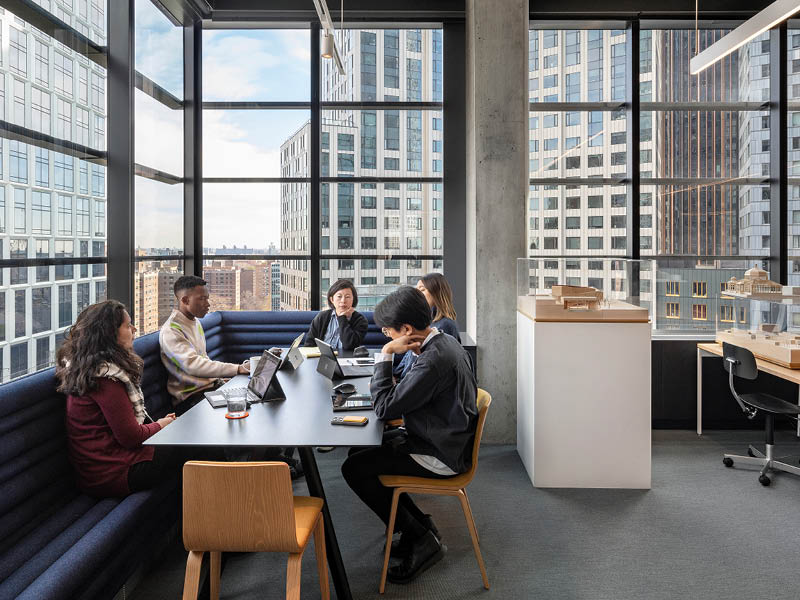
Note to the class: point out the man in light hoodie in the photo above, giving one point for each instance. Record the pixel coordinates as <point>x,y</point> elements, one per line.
<point>191,371</point>
<point>183,347</point>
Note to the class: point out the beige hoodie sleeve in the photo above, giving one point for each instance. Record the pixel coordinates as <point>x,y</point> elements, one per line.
<point>180,352</point>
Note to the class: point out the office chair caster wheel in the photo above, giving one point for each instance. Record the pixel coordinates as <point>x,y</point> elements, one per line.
<point>764,480</point>
<point>728,462</point>
<point>750,453</point>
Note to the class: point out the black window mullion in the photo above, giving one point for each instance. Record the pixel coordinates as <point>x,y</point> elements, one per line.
<point>315,212</point>
<point>121,211</point>
<point>778,150</point>
<point>633,116</point>
<point>193,149</point>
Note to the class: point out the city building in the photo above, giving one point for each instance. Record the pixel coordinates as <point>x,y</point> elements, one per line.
<point>676,219</point>
<point>154,295</point>
<point>374,219</point>
<point>52,204</point>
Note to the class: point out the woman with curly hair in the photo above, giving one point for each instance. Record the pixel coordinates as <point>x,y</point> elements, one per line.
<point>105,417</point>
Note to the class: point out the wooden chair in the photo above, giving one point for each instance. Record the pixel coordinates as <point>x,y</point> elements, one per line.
<point>248,507</point>
<point>452,486</point>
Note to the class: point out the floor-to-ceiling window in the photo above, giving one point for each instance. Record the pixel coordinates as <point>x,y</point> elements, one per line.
<point>256,168</point>
<point>159,156</point>
<point>52,180</point>
<point>381,157</point>
<point>704,156</point>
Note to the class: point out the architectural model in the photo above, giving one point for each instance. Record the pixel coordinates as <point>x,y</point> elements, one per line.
<point>576,303</point>
<point>755,285</point>
<point>782,348</point>
<point>574,297</point>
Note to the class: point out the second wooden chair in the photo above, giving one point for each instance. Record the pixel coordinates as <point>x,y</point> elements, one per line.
<point>451,486</point>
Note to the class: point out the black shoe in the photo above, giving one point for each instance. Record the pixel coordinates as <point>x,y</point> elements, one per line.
<point>295,467</point>
<point>402,547</point>
<point>325,449</point>
<point>425,552</point>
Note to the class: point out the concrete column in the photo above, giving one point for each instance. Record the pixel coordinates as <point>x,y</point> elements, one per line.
<point>497,182</point>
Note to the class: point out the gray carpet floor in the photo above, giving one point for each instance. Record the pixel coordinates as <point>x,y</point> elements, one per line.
<point>702,531</point>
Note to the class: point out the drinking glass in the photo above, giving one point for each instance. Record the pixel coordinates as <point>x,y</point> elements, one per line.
<point>237,406</point>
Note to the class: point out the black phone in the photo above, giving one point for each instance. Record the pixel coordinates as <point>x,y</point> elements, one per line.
<point>351,402</point>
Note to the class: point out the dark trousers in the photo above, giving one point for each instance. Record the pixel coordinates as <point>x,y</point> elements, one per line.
<point>190,401</point>
<point>361,471</point>
<point>167,462</point>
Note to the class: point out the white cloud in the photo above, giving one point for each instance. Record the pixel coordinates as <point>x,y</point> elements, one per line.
<point>233,69</point>
<point>295,44</point>
<point>247,213</point>
<point>241,214</point>
<point>159,47</point>
<point>236,144</point>
<point>159,135</point>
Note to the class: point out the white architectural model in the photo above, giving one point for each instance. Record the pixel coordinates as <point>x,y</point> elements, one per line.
<point>578,303</point>
<point>782,348</point>
<point>756,285</point>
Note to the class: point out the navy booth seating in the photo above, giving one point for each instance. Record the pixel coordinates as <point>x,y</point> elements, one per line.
<point>55,541</point>
<point>248,333</point>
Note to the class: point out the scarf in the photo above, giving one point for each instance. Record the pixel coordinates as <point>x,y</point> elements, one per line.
<point>112,371</point>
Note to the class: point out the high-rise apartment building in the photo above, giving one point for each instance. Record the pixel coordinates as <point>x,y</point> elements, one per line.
<point>52,205</point>
<point>382,219</point>
<point>275,285</point>
<point>224,283</point>
<point>676,142</point>
<point>154,296</point>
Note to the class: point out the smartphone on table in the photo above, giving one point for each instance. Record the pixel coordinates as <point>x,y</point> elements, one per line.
<point>351,402</point>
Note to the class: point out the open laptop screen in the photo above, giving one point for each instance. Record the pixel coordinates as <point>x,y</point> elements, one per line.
<point>265,371</point>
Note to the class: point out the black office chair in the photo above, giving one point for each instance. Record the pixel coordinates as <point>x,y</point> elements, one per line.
<point>741,363</point>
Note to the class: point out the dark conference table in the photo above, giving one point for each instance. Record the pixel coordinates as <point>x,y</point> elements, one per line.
<point>302,420</point>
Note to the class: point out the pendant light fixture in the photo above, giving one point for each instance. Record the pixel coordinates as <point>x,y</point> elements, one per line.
<point>328,47</point>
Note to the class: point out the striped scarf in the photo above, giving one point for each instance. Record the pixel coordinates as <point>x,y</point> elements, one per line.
<point>112,371</point>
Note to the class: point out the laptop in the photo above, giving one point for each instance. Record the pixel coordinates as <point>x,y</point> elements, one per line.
<point>332,369</point>
<point>263,386</point>
<point>291,359</point>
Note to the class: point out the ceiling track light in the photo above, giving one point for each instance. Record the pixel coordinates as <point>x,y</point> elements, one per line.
<point>773,15</point>
<point>328,47</point>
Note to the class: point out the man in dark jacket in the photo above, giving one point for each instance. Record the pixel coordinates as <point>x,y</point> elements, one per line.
<point>437,402</point>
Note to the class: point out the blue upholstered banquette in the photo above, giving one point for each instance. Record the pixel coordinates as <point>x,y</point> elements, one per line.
<point>56,542</point>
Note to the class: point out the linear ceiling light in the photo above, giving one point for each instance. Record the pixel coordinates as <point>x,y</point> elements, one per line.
<point>329,48</point>
<point>775,13</point>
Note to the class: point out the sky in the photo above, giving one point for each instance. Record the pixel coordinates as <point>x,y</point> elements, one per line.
<point>238,65</point>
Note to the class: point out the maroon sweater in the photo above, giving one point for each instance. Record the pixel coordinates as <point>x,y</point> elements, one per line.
<point>105,439</point>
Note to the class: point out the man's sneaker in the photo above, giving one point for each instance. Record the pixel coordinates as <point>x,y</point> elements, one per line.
<point>325,448</point>
<point>425,552</point>
<point>295,467</point>
<point>401,548</point>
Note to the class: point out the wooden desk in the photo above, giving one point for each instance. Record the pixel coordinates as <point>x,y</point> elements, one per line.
<point>715,349</point>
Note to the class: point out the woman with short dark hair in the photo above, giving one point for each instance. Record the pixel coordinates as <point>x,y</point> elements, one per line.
<point>106,417</point>
<point>349,327</point>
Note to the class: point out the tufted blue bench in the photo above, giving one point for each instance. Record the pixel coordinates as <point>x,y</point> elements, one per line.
<point>247,333</point>
<point>55,541</point>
